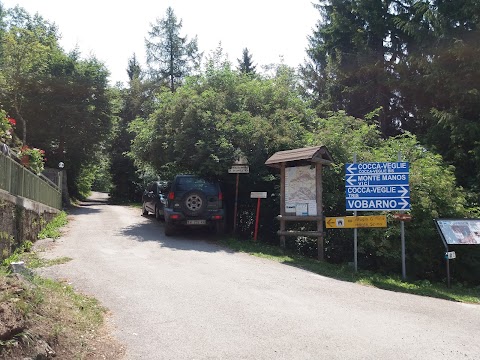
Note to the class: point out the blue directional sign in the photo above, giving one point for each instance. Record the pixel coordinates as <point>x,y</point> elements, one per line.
<point>378,168</point>
<point>377,186</point>
<point>378,191</point>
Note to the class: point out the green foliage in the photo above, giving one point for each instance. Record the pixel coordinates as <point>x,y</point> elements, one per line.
<point>52,229</point>
<point>84,181</point>
<point>36,158</point>
<point>102,177</point>
<point>202,127</point>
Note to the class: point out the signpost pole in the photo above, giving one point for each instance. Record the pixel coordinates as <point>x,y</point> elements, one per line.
<point>402,235</point>
<point>448,270</point>
<point>257,195</point>
<point>236,206</point>
<point>282,204</point>
<point>355,233</point>
<point>257,219</point>
<point>238,168</point>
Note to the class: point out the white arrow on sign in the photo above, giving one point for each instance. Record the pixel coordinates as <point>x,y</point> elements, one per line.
<point>351,180</point>
<point>404,203</point>
<point>351,168</point>
<point>404,191</point>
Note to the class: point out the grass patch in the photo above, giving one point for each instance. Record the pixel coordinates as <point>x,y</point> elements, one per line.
<point>51,311</point>
<point>346,273</point>
<point>31,258</point>
<point>33,261</point>
<point>52,229</point>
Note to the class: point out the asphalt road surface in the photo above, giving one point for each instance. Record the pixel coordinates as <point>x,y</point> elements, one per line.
<point>185,297</point>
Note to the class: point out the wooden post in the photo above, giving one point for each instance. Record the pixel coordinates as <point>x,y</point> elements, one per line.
<point>319,190</point>
<point>282,203</point>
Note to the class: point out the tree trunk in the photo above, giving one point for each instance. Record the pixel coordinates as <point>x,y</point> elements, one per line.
<point>24,124</point>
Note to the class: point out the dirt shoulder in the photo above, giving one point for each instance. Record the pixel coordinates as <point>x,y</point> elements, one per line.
<point>43,319</point>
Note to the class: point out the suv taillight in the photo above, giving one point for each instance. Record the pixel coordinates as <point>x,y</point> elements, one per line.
<point>171,195</point>
<point>220,196</point>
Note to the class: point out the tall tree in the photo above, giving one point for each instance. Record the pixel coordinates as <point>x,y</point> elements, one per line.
<point>134,70</point>
<point>71,114</point>
<point>444,93</point>
<point>245,64</point>
<point>348,67</point>
<point>134,101</point>
<point>170,56</point>
<point>27,45</point>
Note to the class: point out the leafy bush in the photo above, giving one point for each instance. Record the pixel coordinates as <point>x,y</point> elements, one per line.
<point>433,190</point>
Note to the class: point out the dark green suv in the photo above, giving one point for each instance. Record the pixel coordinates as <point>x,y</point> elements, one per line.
<point>194,201</point>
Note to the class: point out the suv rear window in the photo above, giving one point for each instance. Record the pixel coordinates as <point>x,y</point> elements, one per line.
<point>188,183</point>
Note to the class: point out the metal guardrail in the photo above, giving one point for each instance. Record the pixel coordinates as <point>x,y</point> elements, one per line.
<point>18,180</point>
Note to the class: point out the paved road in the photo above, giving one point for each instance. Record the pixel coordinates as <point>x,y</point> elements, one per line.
<point>186,298</point>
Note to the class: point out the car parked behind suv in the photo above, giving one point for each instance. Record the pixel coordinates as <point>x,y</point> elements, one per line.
<point>154,199</point>
<point>194,201</point>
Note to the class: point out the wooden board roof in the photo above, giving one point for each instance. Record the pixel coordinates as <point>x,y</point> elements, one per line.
<point>315,154</point>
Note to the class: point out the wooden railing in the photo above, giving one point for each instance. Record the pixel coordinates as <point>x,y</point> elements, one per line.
<point>18,180</point>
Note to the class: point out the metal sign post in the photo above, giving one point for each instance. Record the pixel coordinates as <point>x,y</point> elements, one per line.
<point>237,169</point>
<point>236,205</point>
<point>355,233</point>
<point>402,236</point>
<point>258,196</point>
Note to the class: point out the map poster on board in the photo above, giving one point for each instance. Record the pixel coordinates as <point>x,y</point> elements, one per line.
<point>300,190</point>
<point>458,232</point>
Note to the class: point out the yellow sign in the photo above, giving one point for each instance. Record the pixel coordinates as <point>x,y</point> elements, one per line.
<point>352,222</point>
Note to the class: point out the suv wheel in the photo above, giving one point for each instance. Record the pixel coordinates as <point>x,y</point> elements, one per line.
<point>194,202</point>
<point>219,228</point>
<point>157,214</point>
<point>169,229</point>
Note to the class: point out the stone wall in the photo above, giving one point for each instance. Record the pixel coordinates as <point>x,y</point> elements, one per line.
<point>20,220</point>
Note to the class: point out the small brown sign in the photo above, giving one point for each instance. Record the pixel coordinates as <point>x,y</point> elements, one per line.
<point>402,217</point>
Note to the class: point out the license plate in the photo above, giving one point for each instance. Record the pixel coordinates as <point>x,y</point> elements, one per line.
<point>196,222</point>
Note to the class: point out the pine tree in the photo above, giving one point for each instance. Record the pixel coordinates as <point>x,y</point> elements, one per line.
<point>350,61</point>
<point>170,57</point>
<point>245,64</point>
<point>134,70</point>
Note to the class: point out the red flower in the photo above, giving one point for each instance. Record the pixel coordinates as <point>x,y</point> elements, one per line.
<point>42,152</point>
<point>12,121</point>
